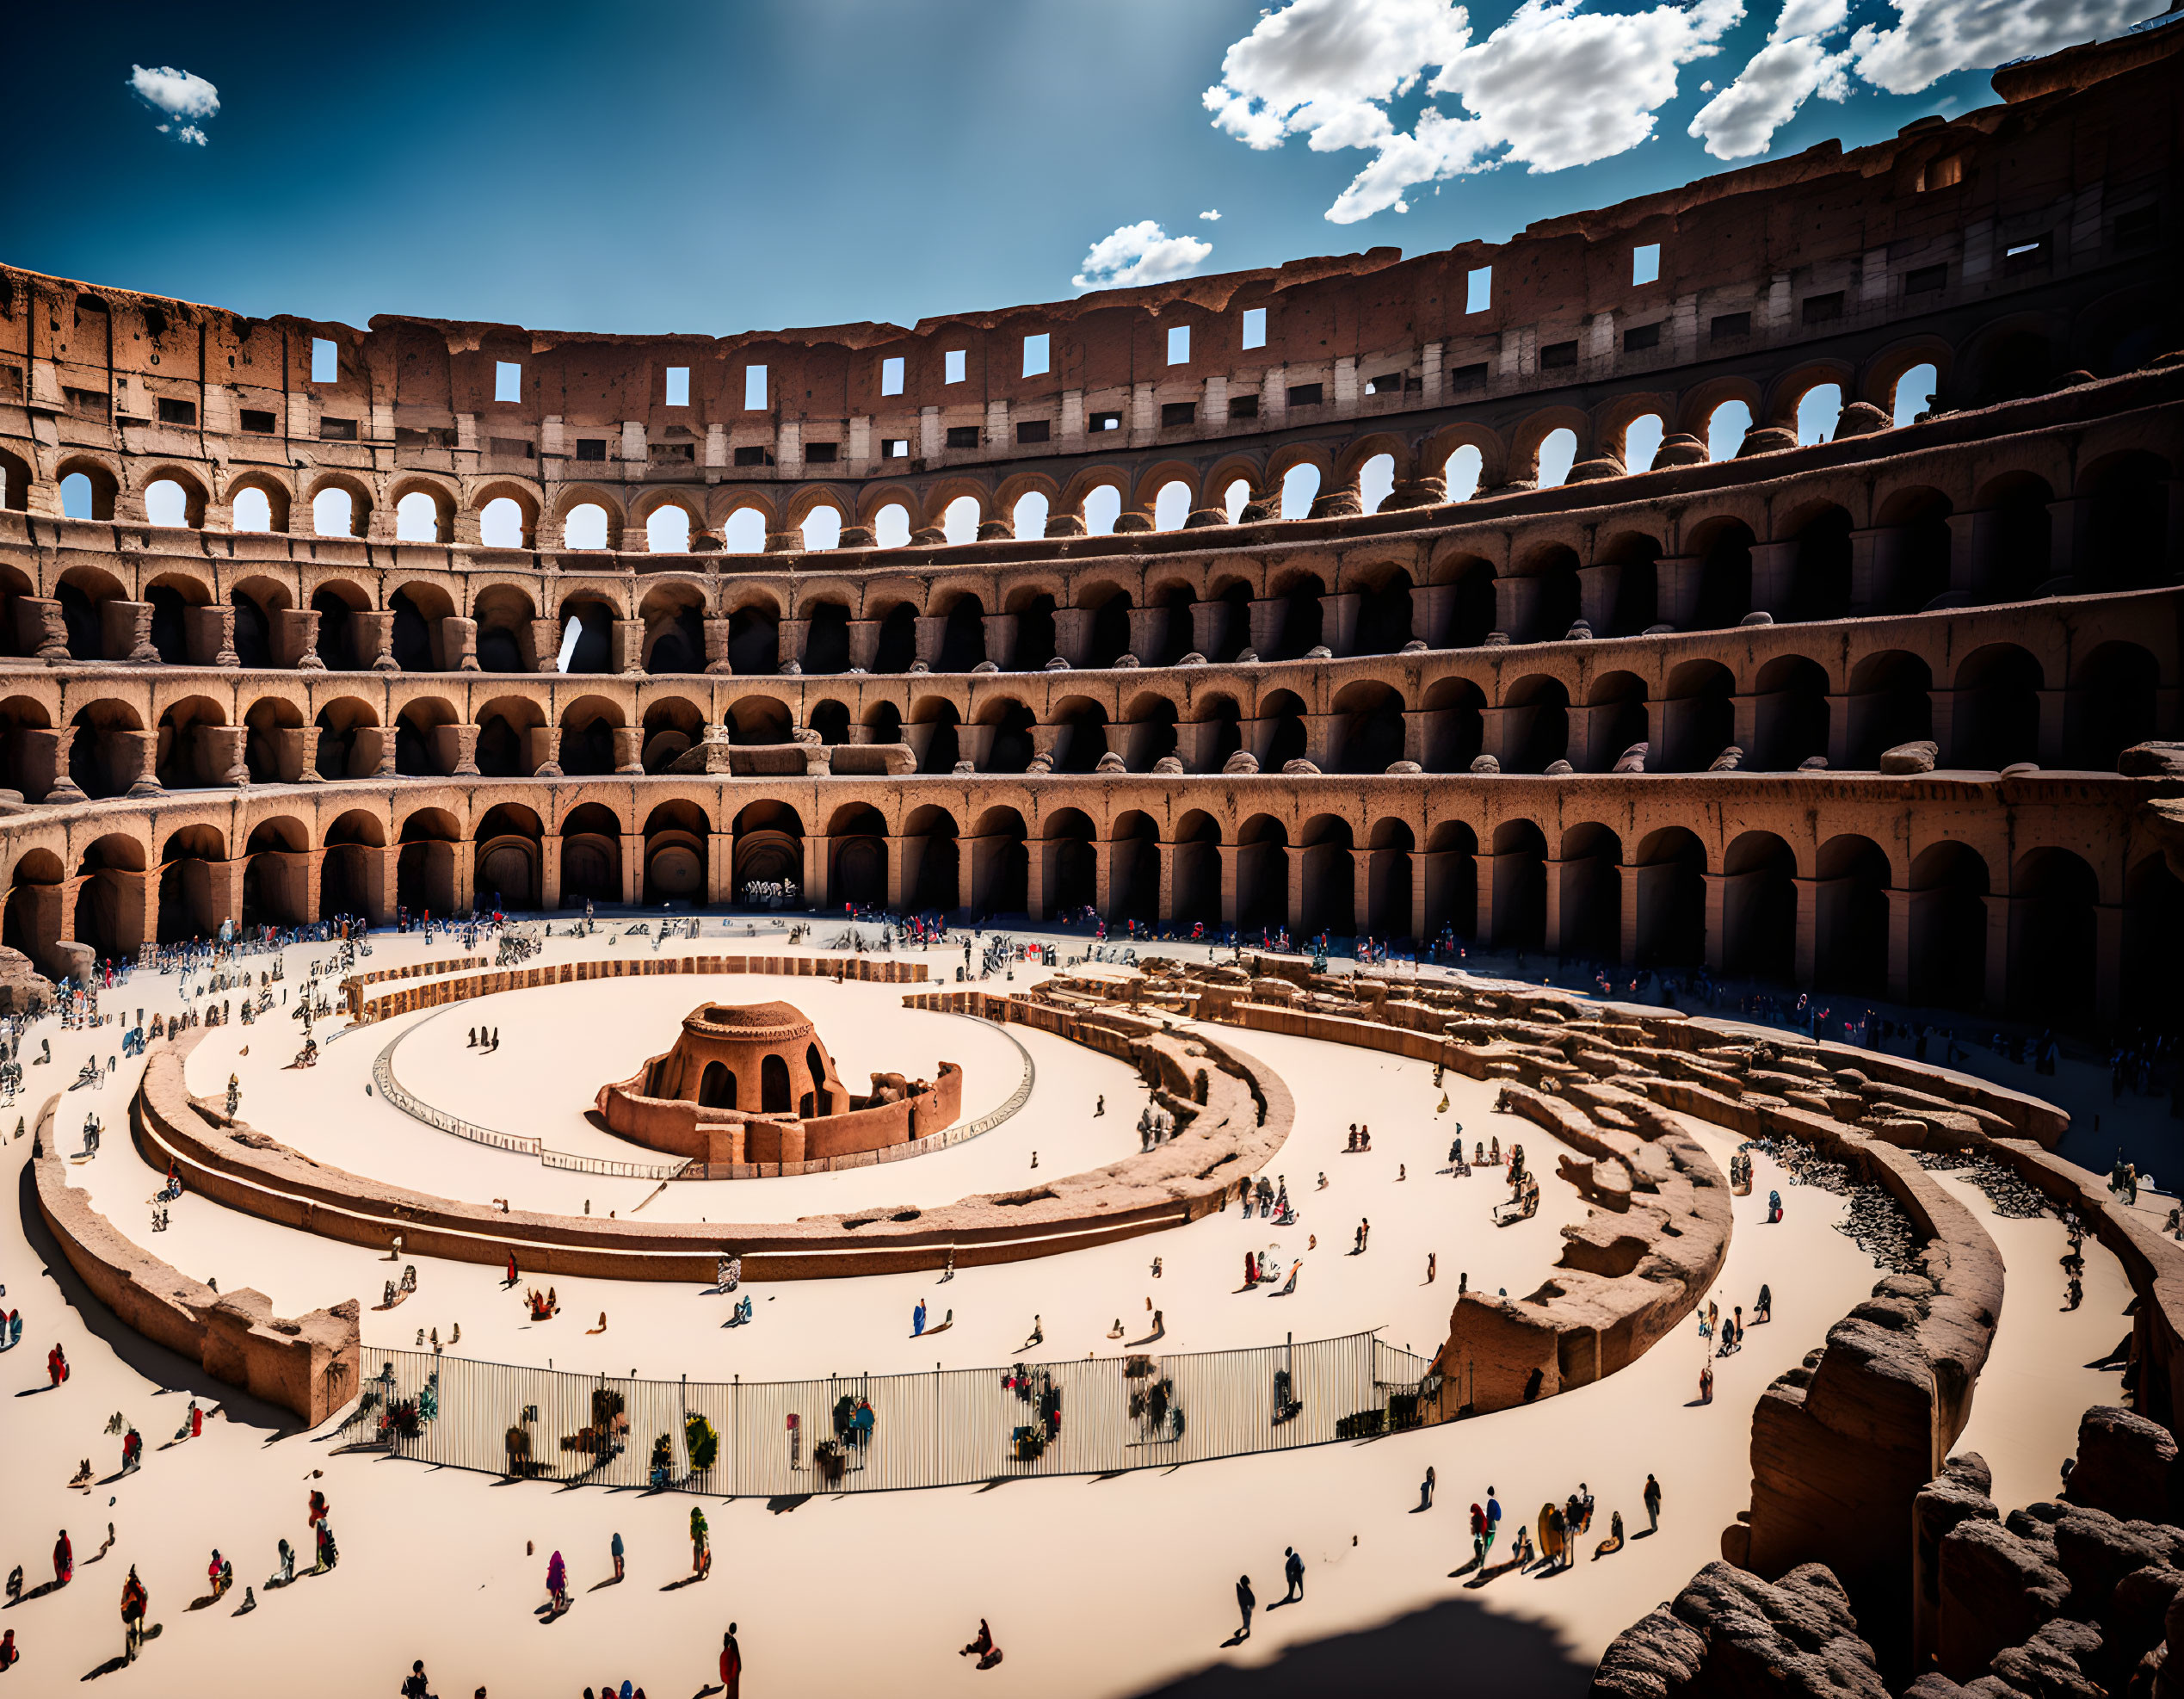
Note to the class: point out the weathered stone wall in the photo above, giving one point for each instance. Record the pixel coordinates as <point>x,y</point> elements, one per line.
<point>308,1366</point>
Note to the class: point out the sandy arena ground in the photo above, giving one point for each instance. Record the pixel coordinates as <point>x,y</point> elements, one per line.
<point>1109,1586</point>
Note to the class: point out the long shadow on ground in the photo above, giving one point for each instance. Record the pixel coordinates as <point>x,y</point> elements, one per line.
<point>1422,1653</point>
<point>154,1362</point>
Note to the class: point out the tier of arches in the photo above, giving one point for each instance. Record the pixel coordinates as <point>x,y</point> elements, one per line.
<point>1824,551</point>
<point>2000,922</point>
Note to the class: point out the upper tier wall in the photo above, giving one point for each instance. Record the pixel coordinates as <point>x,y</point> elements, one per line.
<point>1948,243</point>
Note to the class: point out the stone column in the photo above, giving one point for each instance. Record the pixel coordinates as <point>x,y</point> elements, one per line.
<point>789,641</point>
<point>1774,567</point>
<point>1165,910</point>
<point>1717,944</point>
<point>1899,944</point>
<point>543,744</point>
<point>295,639</point>
<point>932,629</point>
<point>46,778</point>
<point>721,868</point>
<point>1597,588</point>
<point>1266,617</point>
<point>2108,959</point>
<point>1675,578</point>
<point>456,749</point>
<point>374,636</point>
<point>1996,989</point>
<point>223,747</point>
<point>1293,860</point>
<point>1073,636</point>
<point>1142,632</point>
<point>716,646</point>
<point>298,754</point>
<point>2054,709</point>
<point>1338,622</point>
<point>628,646</point>
<point>1627,916</point>
<point>1000,639</point>
<point>546,645</point>
<point>817,856</point>
<point>632,868</point>
<point>459,644</point>
<point>1483,892</point>
<point>2069,521</point>
<point>126,629</point>
<point>41,629</point>
<point>1808,927</point>
<point>1551,938</point>
<point>136,759</point>
<point>212,636</point>
<point>1868,570</point>
<point>1206,626</point>
<point>864,644</point>
<point>629,749</point>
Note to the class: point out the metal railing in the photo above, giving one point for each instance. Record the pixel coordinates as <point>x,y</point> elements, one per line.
<point>887,1432</point>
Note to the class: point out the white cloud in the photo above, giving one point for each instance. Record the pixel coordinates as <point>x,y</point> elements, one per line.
<point>178,94</point>
<point>1555,86</point>
<point>1927,40</point>
<point>1932,38</point>
<point>1140,253</point>
<point>1212,215</point>
<point>1782,76</point>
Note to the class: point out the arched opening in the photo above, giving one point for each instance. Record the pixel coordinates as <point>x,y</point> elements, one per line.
<point>1375,482</point>
<point>1110,638</point>
<point>592,856</point>
<point>1948,926</point>
<point>1911,555</point>
<point>1725,429</point>
<point>1642,442</point>
<point>1535,724</point>
<point>1299,488</point>
<point>1198,871</point>
<point>251,511</point>
<point>1758,908</point>
<point>963,636</point>
<point>1819,409</point>
<point>1591,895</point>
<point>1461,473</point>
<point>337,641</point>
<point>1995,713</point>
<point>2153,943</point>
<point>897,649</point>
<point>1617,722</point>
<point>1328,877</point>
<point>774,1086</point>
<point>2013,367</point>
<point>890,526</point>
<point>1029,517</point>
<point>500,523</point>
<point>1369,729</point>
<point>1034,645</point>
<point>1789,714</point>
<point>1914,393</point>
<point>2112,706</point>
<point>826,638</point>
<point>754,641</point>
<point>1671,896</point>
<point>1520,888</point>
<point>1558,452</point>
<point>1390,876</point>
<point>1455,728</point>
<point>585,527</point>
<point>1820,582</point>
<point>667,530</point>
<point>1262,874</point>
<point>2128,523</point>
<point>2054,903</point>
<point>1850,919</point>
<point>716,1087</point>
<point>1172,506</point>
<point>333,513</point>
<point>857,841</point>
<point>1070,873</point>
<point>822,528</point>
<point>959,523</point>
<point>1890,703</point>
<point>1698,717</point>
<point>1303,617</point>
<point>931,862</point>
<point>416,519</point>
<point>1384,615</point>
<point>1725,551</point>
<point>1452,881</point>
<point>1102,508</point>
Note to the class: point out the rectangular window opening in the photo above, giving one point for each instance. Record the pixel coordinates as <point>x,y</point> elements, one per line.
<point>1479,289</point>
<point>336,431</point>
<point>1555,357</point>
<point>1474,376</point>
<point>592,447</point>
<point>1942,173</point>
<point>1304,395</point>
<point>678,387</point>
<point>1034,430</point>
<point>1819,309</point>
<point>258,421</point>
<point>753,454</point>
<point>1035,353</point>
<point>2019,257</point>
<point>177,413</point>
<point>753,389</point>
<point>1105,421</point>
<point>1178,413</point>
<point>1254,327</point>
<point>963,436</point>
<point>1927,280</point>
<point>1642,337</point>
<point>1244,406</point>
<point>894,448</point>
<point>1178,345</point>
<point>953,363</point>
<point>891,375</point>
<point>821,454</point>
<point>1729,325</point>
<point>512,449</point>
<point>1645,264</point>
<point>325,361</point>
<point>1387,383</point>
<point>508,381</point>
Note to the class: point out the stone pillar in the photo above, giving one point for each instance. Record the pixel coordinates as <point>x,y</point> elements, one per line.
<point>1716,894</point>
<point>716,646</point>
<point>136,760</point>
<point>1000,639</point>
<point>1294,860</point>
<point>2108,959</point>
<point>721,868</point>
<point>633,869</point>
<point>1551,938</point>
<point>40,630</point>
<point>932,629</point>
<point>1597,588</point>
<point>1808,927</point>
<point>1206,626</point>
<point>1338,622</point>
<point>818,858</point>
<point>1483,890</point>
<point>1266,617</point>
<point>1899,944</point>
<point>1073,637</point>
<point>546,645</point>
<point>45,776</point>
<point>543,744</point>
<point>1675,578</point>
<point>864,644</point>
<point>1627,916</point>
<point>1164,910</point>
<point>295,639</point>
<point>1996,989</point>
<point>1144,633</point>
<point>1971,552</point>
<point>1774,567</point>
<point>1868,570</point>
<point>2054,707</point>
<point>374,636</point>
<point>459,644</point>
<point>628,652</point>
<point>897,884</point>
<point>454,748</point>
<point>297,754</point>
<point>629,749</point>
<point>790,637</point>
<point>222,748</point>
<point>126,628</point>
<point>212,636</point>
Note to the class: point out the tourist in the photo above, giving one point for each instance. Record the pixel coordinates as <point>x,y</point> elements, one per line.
<point>1244,1601</point>
<point>557,1585</point>
<point>1480,1535</point>
<point>329,1554</point>
<point>1652,1503</point>
<point>284,1572</point>
<point>1763,1307</point>
<point>614,1551</point>
<point>701,1552</point>
<point>64,1560</point>
<point>917,1318</point>
<point>135,1602</point>
<point>220,1573</point>
<point>1426,1489</point>
<point>8,1656</point>
<point>417,1687</point>
<point>56,1366</point>
<point>1774,1208</point>
<point>1614,1541</point>
<point>1430,1268</point>
<point>1292,1570</point>
<point>1706,1382</point>
<point>732,1664</point>
<point>511,1277</point>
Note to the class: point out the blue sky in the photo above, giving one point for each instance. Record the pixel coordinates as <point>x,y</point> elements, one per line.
<point>718,167</point>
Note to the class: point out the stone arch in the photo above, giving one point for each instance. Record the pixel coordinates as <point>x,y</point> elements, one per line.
<point>1759,907</point>
<point>361,503</point>
<point>1885,368</point>
<point>195,496</point>
<point>97,472</point>
<point>576,495</point>
<point>443,498</point>
<point>1787,388</point>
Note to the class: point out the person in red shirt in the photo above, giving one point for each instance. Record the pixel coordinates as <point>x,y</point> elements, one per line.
<point>63,1560</point>
<point>731,1665</point>
<point>57,1365</point>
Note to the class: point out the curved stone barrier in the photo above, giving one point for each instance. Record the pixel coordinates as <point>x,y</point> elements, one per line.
<point>1234,1112</point>
<point>308,1366</point>
<point>466,979</point>
<point>1640,1262</point>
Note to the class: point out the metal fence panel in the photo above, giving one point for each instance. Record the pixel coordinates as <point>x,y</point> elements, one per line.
<point>885,1433</point>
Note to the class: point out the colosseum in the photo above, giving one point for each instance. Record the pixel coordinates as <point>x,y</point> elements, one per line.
<point>1649,647</point>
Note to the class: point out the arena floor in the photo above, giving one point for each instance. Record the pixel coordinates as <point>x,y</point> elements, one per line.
<point>1108,1585</point>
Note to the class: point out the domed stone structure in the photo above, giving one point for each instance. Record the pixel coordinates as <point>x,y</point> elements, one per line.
<point>753,1083</point>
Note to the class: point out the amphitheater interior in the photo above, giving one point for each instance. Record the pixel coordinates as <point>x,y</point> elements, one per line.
<point>1770,582</point>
